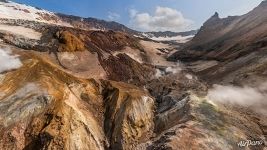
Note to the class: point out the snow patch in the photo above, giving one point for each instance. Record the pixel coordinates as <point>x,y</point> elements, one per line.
<point>178,38</point>
<point>134,56</point>
<point>12,10</point>
<point>26,32</point>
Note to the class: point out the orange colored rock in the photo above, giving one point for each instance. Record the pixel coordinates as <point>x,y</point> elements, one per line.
<point>69,42</point>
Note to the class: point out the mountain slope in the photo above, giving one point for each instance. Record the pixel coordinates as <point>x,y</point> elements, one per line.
<point>11,10</point>
<point>230,45</point>
<point>96,24</point>
<point>231,37</point>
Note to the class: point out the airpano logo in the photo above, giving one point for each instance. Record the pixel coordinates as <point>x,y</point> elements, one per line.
<point>247,143</point>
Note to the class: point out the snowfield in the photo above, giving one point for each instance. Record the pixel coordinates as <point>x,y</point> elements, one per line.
<point>178,38</point>
<point>12,10</point>
<point>18,30</point>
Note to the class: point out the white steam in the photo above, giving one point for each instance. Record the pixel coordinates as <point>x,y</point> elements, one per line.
<point>159,73</point>
<point>173,70</point>
<point>168,70</point>
<point>7,61</point>
<point>254,98</point>
<point>189,76</point>
<point>176,69</point>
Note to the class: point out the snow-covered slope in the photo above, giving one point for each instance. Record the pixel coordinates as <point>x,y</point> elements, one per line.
<point>12,10</point>
<point>177,38</point>
<point>22,31</point>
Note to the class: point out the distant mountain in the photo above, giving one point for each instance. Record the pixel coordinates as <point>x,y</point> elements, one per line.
<point>178,37</point>
<point>95,24</point>
<point>12,10</point>
<point>231,49</point>
<point>229,38</point>
<point>172,34</point>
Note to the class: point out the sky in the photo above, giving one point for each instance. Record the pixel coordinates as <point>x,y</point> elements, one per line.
<point>149,15</point>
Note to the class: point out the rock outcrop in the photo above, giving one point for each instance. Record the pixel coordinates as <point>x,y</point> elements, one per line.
<point>129,115</point>
<point>69,42</point>
<point>51,109</point>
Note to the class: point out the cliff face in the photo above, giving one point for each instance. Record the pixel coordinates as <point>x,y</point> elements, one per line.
<point>129,115</point>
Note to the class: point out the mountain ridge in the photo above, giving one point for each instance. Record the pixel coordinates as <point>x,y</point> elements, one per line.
<point>235,42</point>
<point>41,15</point>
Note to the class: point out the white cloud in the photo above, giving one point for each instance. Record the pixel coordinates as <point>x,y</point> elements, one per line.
<point>163,19</point>
<point>113,16</point>
<point>133,12</point>
<point>7,61</point>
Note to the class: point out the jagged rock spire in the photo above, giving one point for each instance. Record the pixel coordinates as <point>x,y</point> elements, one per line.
<point>216,15</point>
<point>263,3</point>
<point>213,19</point>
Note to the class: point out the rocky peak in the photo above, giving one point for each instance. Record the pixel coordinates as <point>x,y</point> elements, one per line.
<point>213,19</point>
<point>261,7</point>
<point>263,3</point>
<point>216,15</point>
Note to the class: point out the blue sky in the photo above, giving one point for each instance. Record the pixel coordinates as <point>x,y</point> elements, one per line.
<point>148,15</point>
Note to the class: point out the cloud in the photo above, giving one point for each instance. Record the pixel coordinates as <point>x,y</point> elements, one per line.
<point>7,61</point>
<point>113,16</point>
<point>254,98</point>
<point>133,13</point>
<point>163,19</point>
